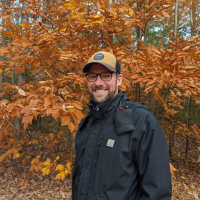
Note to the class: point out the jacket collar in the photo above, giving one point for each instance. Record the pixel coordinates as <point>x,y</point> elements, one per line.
<point>99,111</point>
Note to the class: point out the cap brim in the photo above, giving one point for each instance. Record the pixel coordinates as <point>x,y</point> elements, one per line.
<point>87,66</point>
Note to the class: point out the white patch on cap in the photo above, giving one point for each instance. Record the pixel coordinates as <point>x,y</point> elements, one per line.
<point>99,56</point>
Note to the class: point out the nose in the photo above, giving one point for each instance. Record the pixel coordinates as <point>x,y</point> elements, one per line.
<point>99,81</point>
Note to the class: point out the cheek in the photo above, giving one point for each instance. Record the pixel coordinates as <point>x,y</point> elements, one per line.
<point>90,85</point>
<point>112,85</point>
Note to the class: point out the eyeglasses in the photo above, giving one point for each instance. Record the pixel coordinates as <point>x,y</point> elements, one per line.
<point>105,76</point>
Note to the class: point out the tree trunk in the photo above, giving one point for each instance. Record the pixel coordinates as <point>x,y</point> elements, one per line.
<point>149,107</point>
<point>20,77</point>
<point>17,124</point>
<point>187,125</point>
<point>137,85</point>
<point>175,19</point>
<point>192,17</point>
<point>17,121</point>
<point>171,141</point>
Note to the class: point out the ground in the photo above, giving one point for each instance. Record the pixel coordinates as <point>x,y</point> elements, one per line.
<point>14,185</point>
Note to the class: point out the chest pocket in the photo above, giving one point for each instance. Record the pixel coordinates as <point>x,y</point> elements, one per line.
<point>124,121</point>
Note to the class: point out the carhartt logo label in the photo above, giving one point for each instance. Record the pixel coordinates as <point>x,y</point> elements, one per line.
<point>110,143</point>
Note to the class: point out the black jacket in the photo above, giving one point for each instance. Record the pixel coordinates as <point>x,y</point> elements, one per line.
<point>121,154</point>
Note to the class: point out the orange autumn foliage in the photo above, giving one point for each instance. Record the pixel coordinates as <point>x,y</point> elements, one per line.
<point>54,42</point>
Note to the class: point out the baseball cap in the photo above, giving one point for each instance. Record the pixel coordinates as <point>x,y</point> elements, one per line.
<point>107,59</point>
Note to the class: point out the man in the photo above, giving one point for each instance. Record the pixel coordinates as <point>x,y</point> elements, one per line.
<point>121,152</point>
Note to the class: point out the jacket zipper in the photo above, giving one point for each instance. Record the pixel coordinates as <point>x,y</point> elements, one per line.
<point>99,145</point>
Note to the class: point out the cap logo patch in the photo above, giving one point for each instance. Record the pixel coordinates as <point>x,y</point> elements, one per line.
<point>110,143</point>
<point>99,56</point>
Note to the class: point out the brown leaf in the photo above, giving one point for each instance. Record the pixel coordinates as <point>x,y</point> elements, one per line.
<point>165,14</point>
<point>78,105</point>
<point>65,120</point>
<point>22,92</point>
<point>51,135</point>
<point>71,126</point>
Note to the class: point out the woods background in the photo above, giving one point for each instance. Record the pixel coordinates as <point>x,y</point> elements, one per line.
<point>43,47</point>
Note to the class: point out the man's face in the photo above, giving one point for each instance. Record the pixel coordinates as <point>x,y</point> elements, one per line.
<point>101,91</point>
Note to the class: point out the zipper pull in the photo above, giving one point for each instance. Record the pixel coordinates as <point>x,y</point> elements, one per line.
<point>102,135</point>
<point>99,144</point>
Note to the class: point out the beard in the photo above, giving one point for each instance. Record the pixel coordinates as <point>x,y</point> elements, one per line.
<point>99,100</point>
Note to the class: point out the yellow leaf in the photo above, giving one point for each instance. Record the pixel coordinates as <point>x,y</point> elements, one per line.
<point>16,155</point>
<point>95,22</point>
<point>22,25</point>
<point>44,171</point>
<point>68,4</point>
<point>61,176</point>
<point>69,166</point>
<point>67,172</point>
<point>60,167</point>
<point>57,157</point>
<point>72,8</point>
<point>96,16</point>
<point>131,12</point>
<point>57,176</point>
<point>47,162</point>
<point>47,171</point>
<point>63,29</point>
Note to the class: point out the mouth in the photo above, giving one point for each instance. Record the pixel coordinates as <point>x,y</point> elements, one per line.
<point>102,91</point>
<point>99,91</point>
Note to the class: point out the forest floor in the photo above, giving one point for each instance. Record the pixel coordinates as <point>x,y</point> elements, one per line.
<point>14,185</point>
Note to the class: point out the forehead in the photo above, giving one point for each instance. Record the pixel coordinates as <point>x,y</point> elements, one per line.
<point>98,68</point>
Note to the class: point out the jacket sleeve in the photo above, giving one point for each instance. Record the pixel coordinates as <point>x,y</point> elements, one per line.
<point>152,160</point>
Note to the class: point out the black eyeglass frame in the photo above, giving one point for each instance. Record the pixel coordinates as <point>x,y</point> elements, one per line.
<point>100,76</point>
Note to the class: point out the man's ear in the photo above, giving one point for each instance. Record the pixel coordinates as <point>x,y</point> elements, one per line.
<point>119,79</point>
